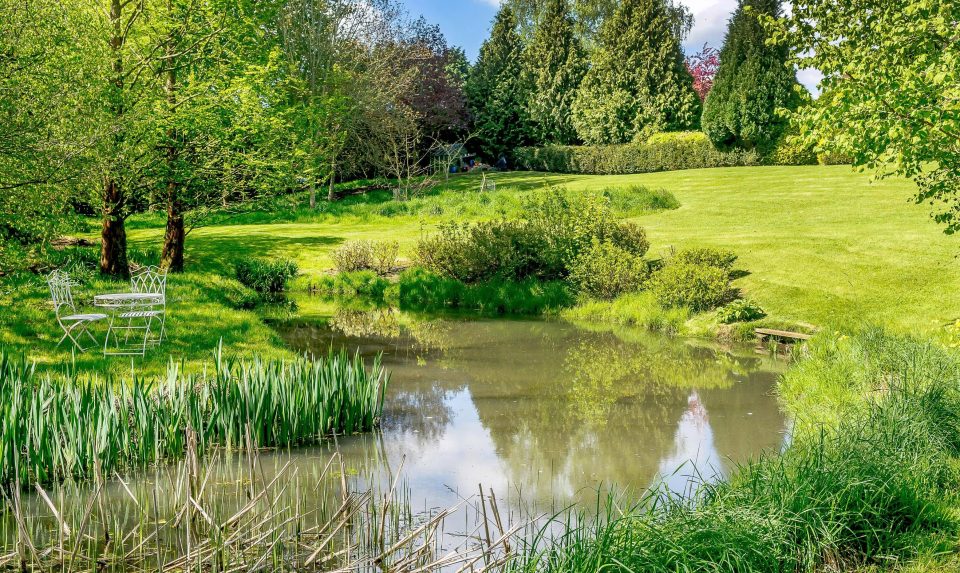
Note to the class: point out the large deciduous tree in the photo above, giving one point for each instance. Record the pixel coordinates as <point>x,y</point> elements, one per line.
<point>891,89</point>
<point>637,83</point>
<point>497,91</point>
<point>556,63</point>
<point>754,82</point>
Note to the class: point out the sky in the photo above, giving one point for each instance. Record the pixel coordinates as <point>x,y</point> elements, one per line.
<point>467,23</point>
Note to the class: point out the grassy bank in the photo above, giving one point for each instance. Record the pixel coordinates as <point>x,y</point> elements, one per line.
<point>870,479</point>
<point>76,425</point>
<point>823,245</point>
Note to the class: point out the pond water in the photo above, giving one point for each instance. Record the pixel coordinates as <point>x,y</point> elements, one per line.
<point>549,413</point>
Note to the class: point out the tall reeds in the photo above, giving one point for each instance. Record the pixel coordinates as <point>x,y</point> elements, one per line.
<point>54,427</point>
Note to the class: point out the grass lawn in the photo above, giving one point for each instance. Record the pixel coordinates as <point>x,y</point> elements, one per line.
<point>824,245</point>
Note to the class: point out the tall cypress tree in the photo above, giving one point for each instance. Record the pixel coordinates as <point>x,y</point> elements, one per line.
<point>638,84</point>
<point>753,81</point>
<point>555,64</point>
<point>497,92</point>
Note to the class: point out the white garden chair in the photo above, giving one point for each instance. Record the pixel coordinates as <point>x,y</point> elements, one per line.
<point>151,280</point>
<point>73,323</point>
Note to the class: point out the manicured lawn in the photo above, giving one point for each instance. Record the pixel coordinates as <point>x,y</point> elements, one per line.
<point>823,245</point>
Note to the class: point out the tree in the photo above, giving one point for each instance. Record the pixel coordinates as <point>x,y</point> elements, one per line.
<point>497,92</point>
<point>890,89</point>
<point>555,63</point>
<point>637,84</point>
<point>753,82</point>
<point>436,95</point>
<point>703,67</point>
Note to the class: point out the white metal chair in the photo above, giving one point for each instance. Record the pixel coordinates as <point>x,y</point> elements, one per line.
<point>73,323</point>
<point>151,280</point>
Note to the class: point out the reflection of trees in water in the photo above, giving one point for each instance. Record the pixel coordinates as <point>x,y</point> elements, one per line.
<point>379,322</point>
<point>424,411</point>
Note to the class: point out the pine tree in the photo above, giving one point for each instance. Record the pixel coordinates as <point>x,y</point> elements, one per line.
<point>555,64</point>
<point>638,84</point>
<point>497,92</point>
<point>753,81</point>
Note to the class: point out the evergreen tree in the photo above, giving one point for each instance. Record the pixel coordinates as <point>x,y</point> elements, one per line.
<point>638,84</point>
<point>752,82</point>
<point>497,92</point>
<point>555,64</point>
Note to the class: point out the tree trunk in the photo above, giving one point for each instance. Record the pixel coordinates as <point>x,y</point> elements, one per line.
<point>113,248</point>
<point>313,194</point>
<point>331,196</point>
<point>175,236</point>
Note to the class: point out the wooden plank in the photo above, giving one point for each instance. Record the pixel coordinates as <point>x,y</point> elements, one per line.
<point>783,334</point>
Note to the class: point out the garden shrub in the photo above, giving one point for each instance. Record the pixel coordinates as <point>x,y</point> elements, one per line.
<point>267,277</point>
<point>742,310</point>
<point>606,271</point>
<point>698,287</point>
<point>557,226</point>
<point>482,251</point>
<point>706,256</point>
<point>377,256</point>
<point>662,152</point>
<point>637,199</point>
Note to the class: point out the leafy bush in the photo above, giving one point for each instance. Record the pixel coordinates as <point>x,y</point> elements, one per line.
<point>377,256</point>
<point>697,287</point>
<point>556,228</point>
<point>606,271</point>
<point>662,152</point>
<point>267,278</point>
<point>706,256</point>
<point>743,310</point>
<point>482,251</point>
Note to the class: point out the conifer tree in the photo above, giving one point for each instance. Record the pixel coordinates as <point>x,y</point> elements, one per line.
<point>638,84</point>
<point>555,64</point>
<point>497,92</point>
<point>753,81</point>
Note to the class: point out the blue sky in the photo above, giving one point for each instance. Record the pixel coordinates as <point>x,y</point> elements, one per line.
<point>467,23</point>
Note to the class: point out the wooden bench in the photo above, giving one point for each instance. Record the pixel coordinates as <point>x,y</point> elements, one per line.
<point>784,335</point>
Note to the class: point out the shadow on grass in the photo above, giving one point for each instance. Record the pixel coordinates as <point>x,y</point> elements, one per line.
<point>218,253</point>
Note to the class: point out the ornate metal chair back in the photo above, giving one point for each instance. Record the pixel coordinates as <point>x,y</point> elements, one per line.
<point>150,280</point>
<point>60,291</point>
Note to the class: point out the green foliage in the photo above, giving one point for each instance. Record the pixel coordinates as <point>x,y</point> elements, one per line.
<point>741,310</point>
<point>636,199</point>
<point>661,152</point>
<point>637,83</point>
<point>753,82</point>
<point>870,486</point>
<point>78,426</point>
<point>497,90</point>
<point>889,92</point>
<point>706,256</point>
<point>606,271</point>
<point>377,256</point>
<point>348,284</point>
<point>419,289</point>
<point>555,227</point>
<point>698,287</point>
<point>267,277</point>
<point>634,310</point>
<point>556,62</point>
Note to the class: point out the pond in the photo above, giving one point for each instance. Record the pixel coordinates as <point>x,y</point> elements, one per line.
<point>546,412</point>
<point>542,414</point>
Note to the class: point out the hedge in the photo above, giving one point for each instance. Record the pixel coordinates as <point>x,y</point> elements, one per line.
<point>662,152</point>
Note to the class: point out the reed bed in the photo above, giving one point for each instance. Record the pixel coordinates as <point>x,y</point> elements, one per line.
<point>191,516</point>
<point>55,427</point>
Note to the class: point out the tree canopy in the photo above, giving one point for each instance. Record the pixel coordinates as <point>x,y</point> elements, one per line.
<point>891,89</point>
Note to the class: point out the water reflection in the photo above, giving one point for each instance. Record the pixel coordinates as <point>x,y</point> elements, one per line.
<point>551,412</point>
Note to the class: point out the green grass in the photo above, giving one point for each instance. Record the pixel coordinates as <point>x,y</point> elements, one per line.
<point>823,245</point>
<point>55,427</point>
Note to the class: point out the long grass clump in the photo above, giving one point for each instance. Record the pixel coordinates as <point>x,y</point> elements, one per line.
<point>54,427</point>
<point>877,488</point>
